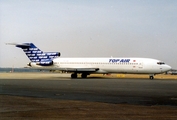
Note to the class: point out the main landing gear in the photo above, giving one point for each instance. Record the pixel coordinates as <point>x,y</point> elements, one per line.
<point>74,75</point>
<point>83,75</point>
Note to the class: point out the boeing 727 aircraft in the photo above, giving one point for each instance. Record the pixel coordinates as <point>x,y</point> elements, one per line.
<point>86,66</point>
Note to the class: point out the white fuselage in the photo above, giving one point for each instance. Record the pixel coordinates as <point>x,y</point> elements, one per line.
<point>110,65</point>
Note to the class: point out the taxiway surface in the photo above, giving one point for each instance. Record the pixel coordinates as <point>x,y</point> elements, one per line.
<point>130,91</point>
<point>56,96</point>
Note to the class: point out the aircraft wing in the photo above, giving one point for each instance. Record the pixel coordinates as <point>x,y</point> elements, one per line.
<point>78,70</point>
<point>81,69</point>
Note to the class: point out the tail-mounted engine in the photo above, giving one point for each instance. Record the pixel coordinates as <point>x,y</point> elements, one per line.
<point>41,63</point>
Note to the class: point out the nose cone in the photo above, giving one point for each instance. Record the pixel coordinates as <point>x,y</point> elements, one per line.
<point>167,68</point>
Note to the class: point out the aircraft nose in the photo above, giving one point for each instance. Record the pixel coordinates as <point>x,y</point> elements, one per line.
<point>168,67</point>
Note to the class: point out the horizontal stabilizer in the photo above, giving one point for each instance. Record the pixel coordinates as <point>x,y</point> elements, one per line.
<point>36,55</point>
<point>22,45</point>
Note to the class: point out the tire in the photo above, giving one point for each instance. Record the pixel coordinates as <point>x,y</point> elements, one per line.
<point>74,75</point>
<point>151,77</point>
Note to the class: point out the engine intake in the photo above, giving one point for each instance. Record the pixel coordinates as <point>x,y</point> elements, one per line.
<point>29,64</point>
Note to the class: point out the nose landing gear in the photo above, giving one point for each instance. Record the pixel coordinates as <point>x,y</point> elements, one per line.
<point>151,77</point>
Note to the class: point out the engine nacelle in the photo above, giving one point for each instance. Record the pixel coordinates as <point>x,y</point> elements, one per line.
<point>41,63</point>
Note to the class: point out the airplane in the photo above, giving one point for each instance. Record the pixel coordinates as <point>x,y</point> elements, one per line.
<point>86,66</point>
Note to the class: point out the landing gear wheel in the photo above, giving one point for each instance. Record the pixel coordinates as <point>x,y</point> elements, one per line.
<point>151,77</point>
<point>74,75</point>
<point>84,75</point>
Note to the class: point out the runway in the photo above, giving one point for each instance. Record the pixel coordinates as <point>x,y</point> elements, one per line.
<point>56,96</point>
<point>129,91</point>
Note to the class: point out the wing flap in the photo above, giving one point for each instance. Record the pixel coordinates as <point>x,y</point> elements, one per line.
<point>81,69</point>
<point>78,70</point>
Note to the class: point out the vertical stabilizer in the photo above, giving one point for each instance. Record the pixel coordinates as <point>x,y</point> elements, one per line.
<point>35,54</point>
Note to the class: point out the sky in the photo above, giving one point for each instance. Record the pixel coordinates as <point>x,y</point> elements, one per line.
<point>89,28</point>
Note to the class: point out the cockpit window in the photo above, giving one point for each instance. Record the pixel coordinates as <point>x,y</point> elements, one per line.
<point>160,63</point>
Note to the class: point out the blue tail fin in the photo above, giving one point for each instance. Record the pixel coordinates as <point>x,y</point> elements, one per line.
<point>35,54</point>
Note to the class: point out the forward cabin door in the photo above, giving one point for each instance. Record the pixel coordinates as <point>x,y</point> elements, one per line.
<point>140,65</point>
<point>137,67</point>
